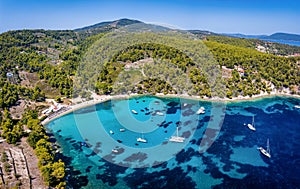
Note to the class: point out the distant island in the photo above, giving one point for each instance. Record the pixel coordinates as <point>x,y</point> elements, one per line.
<point>37,81</point>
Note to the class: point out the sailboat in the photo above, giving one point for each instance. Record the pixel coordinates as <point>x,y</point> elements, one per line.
<point>176,138</point>
<point>141,139</point>
<point>267,152</point>
<point>201,110</point>
<point>251,126</point>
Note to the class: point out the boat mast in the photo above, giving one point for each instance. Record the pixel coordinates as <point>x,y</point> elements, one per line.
<point>268,146</point>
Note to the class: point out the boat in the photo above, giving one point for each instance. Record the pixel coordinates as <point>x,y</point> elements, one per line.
<point>133,111</point>
<point>83,144</point>
<point>111,132</point>
<point>114,150</point>
<point>176,138</point>
<point>266,152</point>
<point>159,113</point>
<point>201,110</point>
<point>122,130</point>
<point>141,139</point>
<point>251,126</point>
<point>297,106</point>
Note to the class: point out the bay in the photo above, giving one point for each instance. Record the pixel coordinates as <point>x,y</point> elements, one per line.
<point>219,150</point>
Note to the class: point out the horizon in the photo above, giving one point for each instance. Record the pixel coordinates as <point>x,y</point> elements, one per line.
<point>229,16</point>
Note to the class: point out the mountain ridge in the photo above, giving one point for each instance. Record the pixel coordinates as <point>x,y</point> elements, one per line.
<point>274,36</point>
<point>107,25</point>
<point>114,23</point>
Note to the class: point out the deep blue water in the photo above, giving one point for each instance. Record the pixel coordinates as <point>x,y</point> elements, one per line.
<point>287,42</point>
<point>219,150</point>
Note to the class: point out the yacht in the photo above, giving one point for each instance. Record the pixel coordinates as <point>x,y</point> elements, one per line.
<point>114,150</point>
<point>159,113</point>
<point>266,152</point>
<point>122,130</point>
<point>297,106</point>
<point>201,110</point>
<point>176,138</point>
<point>133,111</point>
<point>141,139</point>
<point>111,132</point>
<point>251,126</point>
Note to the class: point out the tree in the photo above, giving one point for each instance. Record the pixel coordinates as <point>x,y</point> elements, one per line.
<point>58,99</point>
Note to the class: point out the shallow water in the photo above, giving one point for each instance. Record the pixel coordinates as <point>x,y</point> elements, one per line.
<point>219,150</point>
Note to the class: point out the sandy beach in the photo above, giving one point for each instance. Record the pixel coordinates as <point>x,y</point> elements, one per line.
<point>102,98</point>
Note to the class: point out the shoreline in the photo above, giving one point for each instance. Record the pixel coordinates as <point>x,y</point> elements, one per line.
<point>103,98</point>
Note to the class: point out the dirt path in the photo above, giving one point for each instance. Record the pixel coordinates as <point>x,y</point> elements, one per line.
<point>36,177</point>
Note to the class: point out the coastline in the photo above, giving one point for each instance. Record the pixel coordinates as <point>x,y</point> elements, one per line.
<point>103,98</point>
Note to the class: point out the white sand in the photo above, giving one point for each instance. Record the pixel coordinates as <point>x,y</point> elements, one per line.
<point>102,98</point>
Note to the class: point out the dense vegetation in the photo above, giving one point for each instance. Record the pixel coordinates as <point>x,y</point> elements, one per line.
<point>258,69</point>
<point>138,52</point>
<point>270,47</point>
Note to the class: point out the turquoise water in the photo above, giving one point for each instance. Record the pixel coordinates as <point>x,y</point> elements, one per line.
<point>219,150</point>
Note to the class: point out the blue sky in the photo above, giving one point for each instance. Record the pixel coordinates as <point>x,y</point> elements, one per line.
<point>221,16</point>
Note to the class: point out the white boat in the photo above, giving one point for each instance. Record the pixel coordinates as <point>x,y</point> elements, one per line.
<point>297,106</point>
<point>201,110</point>
<point>159,113</point>
<point>111,132</point>
<point>114,150</point>
<point>252,126</point>
<point>141,139</point>
<point>266,152</point>
<point>133,111</point>
<point>122,130</point>
<point>176,138</point>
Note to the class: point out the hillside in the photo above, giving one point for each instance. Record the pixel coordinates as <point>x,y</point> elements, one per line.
<point>105,26</point>
<point>260,45</point>
<point>46,61</point>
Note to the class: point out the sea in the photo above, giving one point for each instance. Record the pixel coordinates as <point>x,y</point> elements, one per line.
<point>101,148</point>
<point>286,42</point>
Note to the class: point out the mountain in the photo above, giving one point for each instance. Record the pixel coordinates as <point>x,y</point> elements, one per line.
<point>283,36</point>
<point>109,25</point>
<point>116,23</point>
<point>275,36</point>
<point>202,33</point>
<point>245,36</point>
<point>106,26</point>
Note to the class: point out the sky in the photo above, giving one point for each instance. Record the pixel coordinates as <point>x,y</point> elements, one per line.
<point>220,16</point>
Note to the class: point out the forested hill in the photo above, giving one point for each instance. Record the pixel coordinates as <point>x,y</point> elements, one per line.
<point>260,45</point>
<point>47,61</point>
<point>105,26</point>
